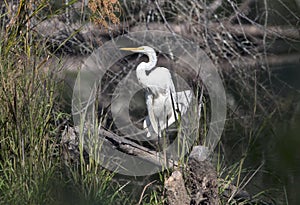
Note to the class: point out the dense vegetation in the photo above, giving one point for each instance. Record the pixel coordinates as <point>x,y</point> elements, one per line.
<point>242,42</point>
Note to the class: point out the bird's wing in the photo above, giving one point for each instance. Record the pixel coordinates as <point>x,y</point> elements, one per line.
<point>161,78</point>
<point>149,103</point>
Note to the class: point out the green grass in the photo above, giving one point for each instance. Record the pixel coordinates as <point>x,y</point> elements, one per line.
<point>31,167</point>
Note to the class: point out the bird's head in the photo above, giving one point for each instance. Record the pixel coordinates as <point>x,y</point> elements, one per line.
<point>141,49</point>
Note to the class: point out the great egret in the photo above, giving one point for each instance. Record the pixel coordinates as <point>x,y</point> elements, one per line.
<point>162,100</point>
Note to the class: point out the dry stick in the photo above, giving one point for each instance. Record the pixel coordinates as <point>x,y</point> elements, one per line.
<point>141,197</point>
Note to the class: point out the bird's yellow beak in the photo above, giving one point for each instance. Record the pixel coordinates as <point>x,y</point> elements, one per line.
<point>132,49</point>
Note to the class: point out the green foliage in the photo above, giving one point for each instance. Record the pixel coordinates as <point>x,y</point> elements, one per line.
<point>31,167</point>
<point>27,112</point>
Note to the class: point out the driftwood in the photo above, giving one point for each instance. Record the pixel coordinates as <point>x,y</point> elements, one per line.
<point>132,148</point>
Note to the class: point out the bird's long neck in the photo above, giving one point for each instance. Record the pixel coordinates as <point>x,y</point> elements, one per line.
<point>152,61</point>
<point>144,68</point>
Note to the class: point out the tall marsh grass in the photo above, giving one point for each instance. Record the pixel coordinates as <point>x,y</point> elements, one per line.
<point>31,167</point>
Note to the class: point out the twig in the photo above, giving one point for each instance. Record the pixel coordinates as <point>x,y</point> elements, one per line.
<point>141,197</point>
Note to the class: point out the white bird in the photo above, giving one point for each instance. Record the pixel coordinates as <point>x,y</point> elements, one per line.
<point>162,100</point>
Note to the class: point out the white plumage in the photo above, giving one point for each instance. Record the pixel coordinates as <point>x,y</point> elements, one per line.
<point>159,87</point>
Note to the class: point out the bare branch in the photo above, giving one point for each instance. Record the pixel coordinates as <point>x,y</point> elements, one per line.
<point>131,148</point>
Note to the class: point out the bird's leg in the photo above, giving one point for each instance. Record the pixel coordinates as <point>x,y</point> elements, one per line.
<point>173,108</point>
<point>167,126</point>
<point>152,118</point>
<point>158,134</point>
<point>166,140</point>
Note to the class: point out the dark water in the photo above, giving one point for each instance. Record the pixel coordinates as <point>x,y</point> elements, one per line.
<point>283,159</point>
<point>279,149</point>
